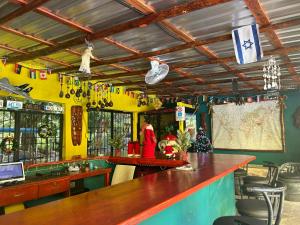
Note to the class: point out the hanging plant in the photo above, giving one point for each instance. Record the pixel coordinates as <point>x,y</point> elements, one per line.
<point>9,145</point>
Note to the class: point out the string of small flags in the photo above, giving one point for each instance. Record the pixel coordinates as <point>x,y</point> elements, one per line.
<point>33,73</point>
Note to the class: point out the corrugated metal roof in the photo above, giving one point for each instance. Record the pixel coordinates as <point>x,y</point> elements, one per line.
<point>207,23</point>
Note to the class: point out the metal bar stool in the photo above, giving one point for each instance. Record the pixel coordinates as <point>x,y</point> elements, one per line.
<point>265,211</point>
<point>272,171</point>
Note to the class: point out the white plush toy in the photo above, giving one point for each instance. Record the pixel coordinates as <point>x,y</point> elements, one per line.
<point>85,58</point>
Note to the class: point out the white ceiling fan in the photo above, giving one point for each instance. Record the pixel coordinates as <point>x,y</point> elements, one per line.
<point>157,73</point>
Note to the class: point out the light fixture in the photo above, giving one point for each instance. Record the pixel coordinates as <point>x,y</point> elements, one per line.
<point>271,75</point>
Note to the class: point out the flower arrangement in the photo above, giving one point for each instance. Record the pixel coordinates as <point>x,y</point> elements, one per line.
<point>183,140</point>
<point>117,142</point>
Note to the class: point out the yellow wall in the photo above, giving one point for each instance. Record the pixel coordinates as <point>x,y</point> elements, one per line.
<point>48,90</point>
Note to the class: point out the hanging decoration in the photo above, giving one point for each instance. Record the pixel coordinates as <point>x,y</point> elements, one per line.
<point>43,75</point>
<point>18,68</point>
<point>9,145</point>
<point>4,60</point>
<point>85,58</point>
<point>32,74</point>
<point>271,75</point>
<point>247,45</point>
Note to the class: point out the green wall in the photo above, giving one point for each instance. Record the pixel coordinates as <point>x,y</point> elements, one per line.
<point>292,136</point>
<point>201,207</point>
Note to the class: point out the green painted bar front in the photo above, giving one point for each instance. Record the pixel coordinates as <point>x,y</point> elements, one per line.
<point>201,207</point>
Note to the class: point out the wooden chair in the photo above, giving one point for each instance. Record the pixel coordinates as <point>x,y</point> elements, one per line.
<point>122,173</point>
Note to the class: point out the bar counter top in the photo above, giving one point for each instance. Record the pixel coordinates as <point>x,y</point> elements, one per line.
<point>133,201</point>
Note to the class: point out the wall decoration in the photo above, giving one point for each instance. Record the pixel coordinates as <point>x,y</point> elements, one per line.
<point>32,74</point>
<point>8,145</point>
<point>47,130</point>
<point>18,68</point>
<point>14,104</point>
<point>43,75</point>
<point>76,124</point>
<point>252,126</point>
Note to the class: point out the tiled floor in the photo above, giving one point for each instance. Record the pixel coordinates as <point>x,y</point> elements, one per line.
<point>291,213</point>
<point>291,210</point>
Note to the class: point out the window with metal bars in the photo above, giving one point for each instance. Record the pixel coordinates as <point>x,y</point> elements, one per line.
<point>103,125</point>
<point>25,127</point>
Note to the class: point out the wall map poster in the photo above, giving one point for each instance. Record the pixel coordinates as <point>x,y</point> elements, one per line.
<point>252,126</point>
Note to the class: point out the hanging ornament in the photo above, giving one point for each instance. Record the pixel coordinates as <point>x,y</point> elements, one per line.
<point>18,68</point>
<point>43,75</point>
<point>32,74</point>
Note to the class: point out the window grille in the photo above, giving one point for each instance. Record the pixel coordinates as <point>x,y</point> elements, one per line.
<point>103,125</point>
<point>24,127</point>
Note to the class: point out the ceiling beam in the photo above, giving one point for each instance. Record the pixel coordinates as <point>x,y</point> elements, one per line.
<point>263,19</point>
<point>221,81</point>
<point>140,22</point>
<point>191,44</point>
<point>196,63</point>
<point>22,10</point>
<point>59,62</point>
<point>52,43</point>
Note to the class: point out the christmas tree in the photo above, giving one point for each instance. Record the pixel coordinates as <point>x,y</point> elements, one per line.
<point>202,143</point>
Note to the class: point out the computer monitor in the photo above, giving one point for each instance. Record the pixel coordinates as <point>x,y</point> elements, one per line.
<point>10,172</point>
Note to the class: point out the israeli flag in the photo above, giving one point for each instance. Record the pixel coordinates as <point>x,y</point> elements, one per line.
<point>247,44</point>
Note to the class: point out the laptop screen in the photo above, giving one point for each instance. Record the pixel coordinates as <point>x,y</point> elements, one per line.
<point>11,172</point>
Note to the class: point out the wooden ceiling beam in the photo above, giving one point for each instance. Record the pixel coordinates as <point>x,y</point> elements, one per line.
<point>188,45</point>
<point>59,62</point>
<point>263,19</point>
<point>222,81</point>
<point>52,43</point>
<point>48,13</point>
<point>22,10</point>
<point>200,63</point>
<point>140,22</point>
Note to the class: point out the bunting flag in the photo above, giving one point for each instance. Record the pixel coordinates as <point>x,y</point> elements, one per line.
<point>32,74</point>
<point>118,91</point>
<point>247,44</point>
<point>18,68</point>
<point>4,60</point>
<point>43,75</point>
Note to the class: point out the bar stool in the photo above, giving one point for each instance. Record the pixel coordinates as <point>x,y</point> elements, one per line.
<point>272,171</point>
<point>267,210</point>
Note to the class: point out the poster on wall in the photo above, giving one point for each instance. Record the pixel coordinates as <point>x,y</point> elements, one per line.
<point>180,113</point>
<point>191,125</point>
<point>254,126</point>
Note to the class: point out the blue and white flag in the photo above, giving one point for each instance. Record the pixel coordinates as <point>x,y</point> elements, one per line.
<point>247,44</point>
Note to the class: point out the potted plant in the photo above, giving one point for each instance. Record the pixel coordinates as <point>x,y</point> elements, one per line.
<point>117,142</point>
<point>184,142</point>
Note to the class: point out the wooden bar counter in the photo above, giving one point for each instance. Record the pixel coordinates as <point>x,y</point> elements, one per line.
<point>138,200</point>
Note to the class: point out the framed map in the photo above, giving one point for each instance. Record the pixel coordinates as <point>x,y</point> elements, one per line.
<point>254,126</point>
